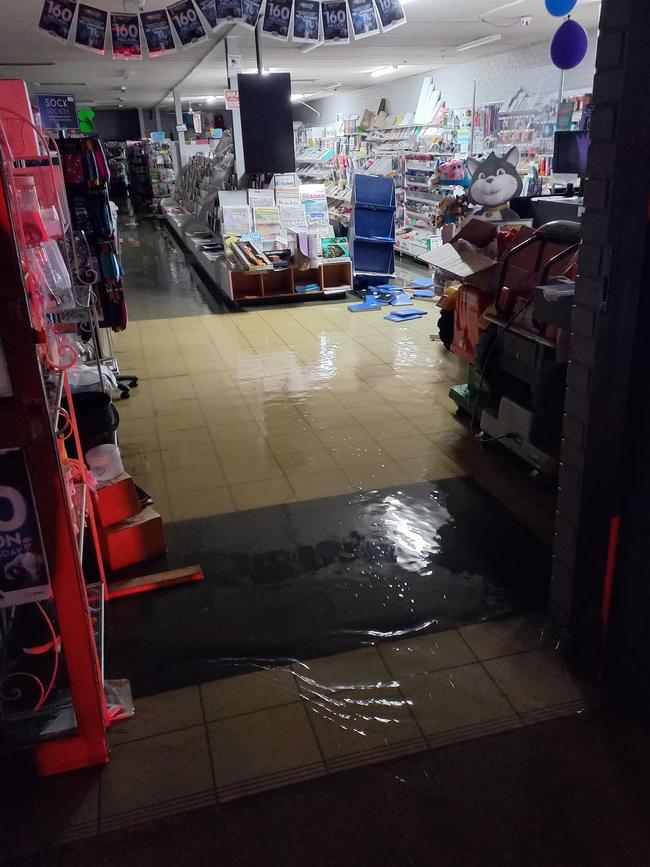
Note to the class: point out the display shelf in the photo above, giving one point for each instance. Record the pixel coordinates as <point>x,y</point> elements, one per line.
<point>243,286</point>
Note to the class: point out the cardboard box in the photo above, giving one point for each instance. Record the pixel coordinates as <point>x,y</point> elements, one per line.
<point>139,538</point>
<point>115,501</point>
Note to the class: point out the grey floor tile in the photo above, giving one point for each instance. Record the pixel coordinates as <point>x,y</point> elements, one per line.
<point>158,714</point>
<point>426,653</point>
<point>233,696</point>
<point>508,636</point>
<point>357,669</point>
<point>459,698</point>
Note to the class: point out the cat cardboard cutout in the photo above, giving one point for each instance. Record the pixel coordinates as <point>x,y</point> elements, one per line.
<point>494,182</point>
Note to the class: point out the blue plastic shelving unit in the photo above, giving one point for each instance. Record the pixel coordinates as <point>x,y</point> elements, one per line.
<point>372,229</point>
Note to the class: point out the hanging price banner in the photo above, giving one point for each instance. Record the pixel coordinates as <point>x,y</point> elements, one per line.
<point>335,21</point>
<point>91,28</point>
<point>391,14</point>
<point>186,22</point>
<point>364,18</point>
<point>157,32</point>
<point>56,18</point>
<point>250,13</point>
<point>125,33</point>
<point>228,10</point>
<point>306,21</point>
<point>23,570</point>
<point>209,10</point>
<point>277,17</point>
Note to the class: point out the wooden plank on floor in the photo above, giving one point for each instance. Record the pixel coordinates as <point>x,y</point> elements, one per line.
<point>156,581</point>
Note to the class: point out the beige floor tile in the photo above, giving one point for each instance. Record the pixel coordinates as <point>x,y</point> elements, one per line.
<point>158,714</point>
<point>168,388</point>
<point>301,463</point>
<point>511,635</point>
<point>254,751</point>
<point>430,468</point>
<point>196,478</point>
<point>346,435</point>
<point>313,486</point>
<point>135,447</point>
<point>180,439</point>
<point>161,505</point>
<point>143,464</point>
<point>372,477</point>
<point>256,495</point>
<point>155,771</point>
<point>154,484</point>
<point>436,421</point>
<point>391,428</point>
<point>536,679</point>
<point>252,470</point>
<point>278,425</point>
<point>356,669</point>
<point>404,448</point>
<point>239,430</point>
<point>379,412</point>
<point>181,415</point>
<point>185,505</point>
<point>348,455</point>
<point>139,405</point>
<point>245,693</point>
<point>455,699</point>
<point>425,653</point>
<point>333,422</point>
<point>243,449</point>
<point>165,365</point>
<point>131,428</point>
<point>353,722</point>
<point>288,444</point>
<point>227,413</point>
<point>189,456</point>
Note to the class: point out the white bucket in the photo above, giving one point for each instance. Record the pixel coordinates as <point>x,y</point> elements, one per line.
<point>105,462</point>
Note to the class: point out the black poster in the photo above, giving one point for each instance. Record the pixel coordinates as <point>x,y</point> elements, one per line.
<point>250,12</point>
<point>228,9</point>
<point>91,28</point>
<point>125,32</point>
<point>306,21</point>
<point>186,22</point>
<point>23,570</point>
<point>364,18</point>
<point>157,32</point>
<point>56,18</point>
<point>277,17</point>
<point>335,21</point>
<point>391,13</point>
<point>209,10</point>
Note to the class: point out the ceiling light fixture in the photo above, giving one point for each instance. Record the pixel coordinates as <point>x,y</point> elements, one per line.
<point>384,70</point>
<point>484,40</point>
<point>211,99</point>
<point>310,48</point>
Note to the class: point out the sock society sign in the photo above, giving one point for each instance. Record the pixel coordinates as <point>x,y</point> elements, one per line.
<point>187,22</point>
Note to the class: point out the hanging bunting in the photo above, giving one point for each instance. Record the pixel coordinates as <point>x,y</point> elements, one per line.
<point>91,28</point>
<point>186,22</point>
<point>157,32</point>
<point>277,18</point>
<point>229,10</point>
<point>250,13</point>
<point>364,18</point>
<point>335,21</point>
<point>125,33</point>
<point>56,18</point>
<point>209,10</point>
<point>306,21</point>
<point>391,14</point>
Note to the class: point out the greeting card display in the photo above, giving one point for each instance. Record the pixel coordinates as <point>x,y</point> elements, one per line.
<point>306,21</point>
<point>335,21</point>
<point>125,33</point>
<point>209,10</point>
<point>23,569</point>
<point>91,28</point>
<point>157,32</point>
<point>277,17</point>
<point>186,22</point>
<point>229,10</point>
<point>56,18</point>
<point>364,18</point>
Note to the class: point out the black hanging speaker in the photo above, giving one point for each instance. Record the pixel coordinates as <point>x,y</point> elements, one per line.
<point>267,122</point>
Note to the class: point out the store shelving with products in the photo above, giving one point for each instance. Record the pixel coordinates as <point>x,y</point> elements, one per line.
<point>152,173</point>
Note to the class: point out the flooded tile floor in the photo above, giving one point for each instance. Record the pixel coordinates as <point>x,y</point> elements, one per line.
<point>373,577</point>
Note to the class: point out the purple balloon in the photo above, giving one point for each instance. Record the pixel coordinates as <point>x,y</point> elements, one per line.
<point>569,45</point>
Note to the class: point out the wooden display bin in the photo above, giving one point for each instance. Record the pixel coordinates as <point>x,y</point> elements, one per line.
<point>311,275</point>
<point>246,285</point>
<point>275,284</point>
<point>336,274</point>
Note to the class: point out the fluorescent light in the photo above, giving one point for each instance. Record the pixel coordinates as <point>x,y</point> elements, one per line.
<point>501,8</point>
<point>211,99</point>
<point>484,40</point>
<point>310,47</point>
<point>384,70</point>
<point>296,97</point>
